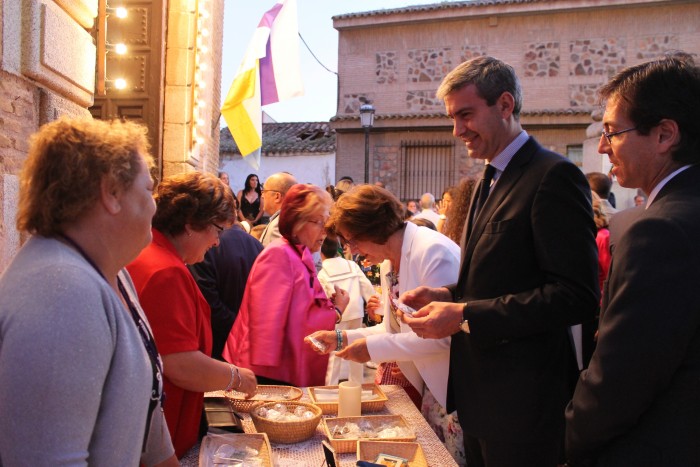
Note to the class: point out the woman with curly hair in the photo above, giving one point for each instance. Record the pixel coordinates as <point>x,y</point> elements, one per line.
<point>80,375</point>
<point>191,211</point>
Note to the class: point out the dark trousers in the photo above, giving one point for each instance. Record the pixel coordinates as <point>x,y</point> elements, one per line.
<point>496,453</point>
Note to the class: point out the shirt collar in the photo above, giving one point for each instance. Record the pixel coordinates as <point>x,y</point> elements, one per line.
<point>663,183</point>
<point>501,161</point>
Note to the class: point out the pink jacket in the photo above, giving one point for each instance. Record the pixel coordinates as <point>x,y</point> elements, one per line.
<point>283,303</point>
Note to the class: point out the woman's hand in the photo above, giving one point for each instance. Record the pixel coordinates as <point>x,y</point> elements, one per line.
<point>328,339</point>
<point>442,207</point>
<point>373,304</point>
<point>355,352</point>
<point>340,298</point>
<point>249,384</point>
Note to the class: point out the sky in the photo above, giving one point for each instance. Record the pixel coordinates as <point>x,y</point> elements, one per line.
<point>318,104</point>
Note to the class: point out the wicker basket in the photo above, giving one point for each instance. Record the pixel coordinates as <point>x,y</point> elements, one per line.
<point>287,432</point>
<point>343,445</point>
<point>331,408</point>
<point>369,450</point>
<point>274,394</point>
<point>258,441</point>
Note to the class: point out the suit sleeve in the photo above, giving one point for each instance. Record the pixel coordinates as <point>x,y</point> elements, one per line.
<point>645,332</point>
<point>555,237</point>
<point>205,273</point>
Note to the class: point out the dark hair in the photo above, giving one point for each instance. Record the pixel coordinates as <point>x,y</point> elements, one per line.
<point>600,183</point>
<point>367,212</point>
<point>299,205</point>
<point>423,222</point>
<point>668,88</point>
<point>192,198</point>
<point>491,77</point>
<point>329,248</point>
<point>247,187</point>
<point>334,192</point>
<point>67,162</point>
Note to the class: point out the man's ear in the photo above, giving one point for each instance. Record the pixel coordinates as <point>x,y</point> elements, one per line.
<point>506,104</point>
<point>668,135</point>
<point>109,196</point>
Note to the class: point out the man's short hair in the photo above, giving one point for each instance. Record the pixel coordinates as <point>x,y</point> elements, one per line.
<point>668,88</point>
<point>427,201</point>
<point>491,77</point>
<point>599,183</point>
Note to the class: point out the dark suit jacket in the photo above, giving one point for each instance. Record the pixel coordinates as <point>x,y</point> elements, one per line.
<point>638,404</point>
<point>222,278</point>
<point>620,222</point>
<point>529,270</point>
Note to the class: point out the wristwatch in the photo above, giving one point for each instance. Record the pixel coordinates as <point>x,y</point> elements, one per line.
<point>464,324</point>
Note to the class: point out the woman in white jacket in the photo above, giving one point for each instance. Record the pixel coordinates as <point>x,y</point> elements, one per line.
<point>370,220</point>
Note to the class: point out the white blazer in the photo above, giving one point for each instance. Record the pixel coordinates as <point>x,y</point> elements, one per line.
<point>427,258</point>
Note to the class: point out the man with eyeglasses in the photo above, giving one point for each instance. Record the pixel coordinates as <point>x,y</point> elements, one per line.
<point>276,186</point>
<point>638,403</point>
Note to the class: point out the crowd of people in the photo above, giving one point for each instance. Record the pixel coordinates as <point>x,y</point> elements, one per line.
<point>548,328</point>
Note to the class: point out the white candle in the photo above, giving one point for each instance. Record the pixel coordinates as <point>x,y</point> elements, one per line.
<point>349,399</point>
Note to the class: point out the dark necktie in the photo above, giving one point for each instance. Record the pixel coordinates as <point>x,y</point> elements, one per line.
<point>484,188</point>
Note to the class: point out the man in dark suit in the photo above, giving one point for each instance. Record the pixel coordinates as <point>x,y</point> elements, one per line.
<point>222,277</point>
<point>528,272</point>
<point>638,404</point>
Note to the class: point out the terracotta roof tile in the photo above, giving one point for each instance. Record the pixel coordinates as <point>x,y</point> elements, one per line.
<point>435,6</point>
<point>290,138</point>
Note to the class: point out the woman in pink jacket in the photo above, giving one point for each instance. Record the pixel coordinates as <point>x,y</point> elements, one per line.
<point>283,300</point>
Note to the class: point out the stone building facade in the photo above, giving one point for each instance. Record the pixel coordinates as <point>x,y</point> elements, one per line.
<point>48,58</point>
<point>562,50</point>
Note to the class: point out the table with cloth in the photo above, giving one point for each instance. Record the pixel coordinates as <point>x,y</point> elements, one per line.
<point>310,452</point>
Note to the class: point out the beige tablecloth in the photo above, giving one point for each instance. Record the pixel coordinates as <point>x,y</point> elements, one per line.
<point>310,452</point>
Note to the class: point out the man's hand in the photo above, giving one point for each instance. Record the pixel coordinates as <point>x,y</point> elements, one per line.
<point>355,352</point>
<point>436,320</point>
<point>421,296</point>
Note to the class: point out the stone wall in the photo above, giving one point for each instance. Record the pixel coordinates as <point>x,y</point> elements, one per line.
<point>192,87</point>
<point>560,56</point>
<point>48,68</point>
<point>562,51</point>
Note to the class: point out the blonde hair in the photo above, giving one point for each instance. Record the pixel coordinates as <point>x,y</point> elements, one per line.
<point>67,161</point>
<point>600,215</point>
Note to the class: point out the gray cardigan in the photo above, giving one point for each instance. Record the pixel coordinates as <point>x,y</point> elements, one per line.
<point>75,378</point>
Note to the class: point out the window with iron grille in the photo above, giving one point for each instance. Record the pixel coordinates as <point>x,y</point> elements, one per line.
<point>426,167</point>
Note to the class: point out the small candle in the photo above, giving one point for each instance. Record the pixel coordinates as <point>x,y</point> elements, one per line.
<point>349,399</point>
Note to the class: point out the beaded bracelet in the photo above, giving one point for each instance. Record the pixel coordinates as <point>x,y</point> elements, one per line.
<point>339,338</point>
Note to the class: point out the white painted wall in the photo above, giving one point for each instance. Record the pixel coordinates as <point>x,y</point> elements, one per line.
<point>316,169</point>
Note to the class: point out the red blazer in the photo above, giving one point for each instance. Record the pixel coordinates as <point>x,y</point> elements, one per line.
<point>181,321</point>
<point>283,303</point>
